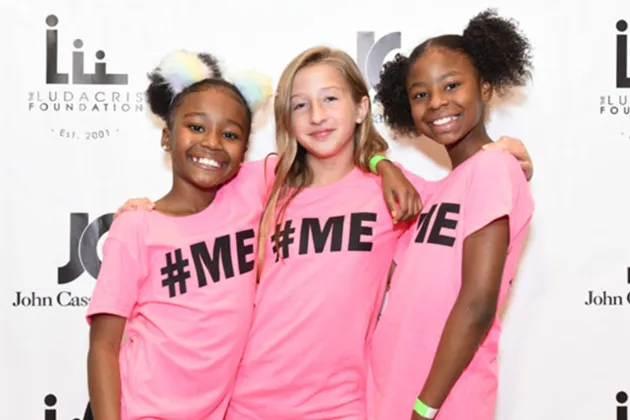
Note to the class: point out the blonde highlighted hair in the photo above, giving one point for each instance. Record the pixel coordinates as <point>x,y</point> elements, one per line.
<point>292,172</point>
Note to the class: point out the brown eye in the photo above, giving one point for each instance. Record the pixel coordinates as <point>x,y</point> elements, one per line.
<point>230,136</point>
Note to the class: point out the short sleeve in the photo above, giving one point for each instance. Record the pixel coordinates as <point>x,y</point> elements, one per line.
<point>418,182</point>
<point>123,267</point>
<point>496,188</point>
<point>258,176</point>
<point>406,229</point>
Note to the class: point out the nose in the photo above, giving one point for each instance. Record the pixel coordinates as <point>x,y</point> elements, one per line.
<point>213,139</point>
<point>318,113</point>
<point>437,100</point>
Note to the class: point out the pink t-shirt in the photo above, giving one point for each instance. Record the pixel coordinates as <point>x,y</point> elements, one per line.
<point>186,286</point>
<point>426,284</point>
<point>306,357</point>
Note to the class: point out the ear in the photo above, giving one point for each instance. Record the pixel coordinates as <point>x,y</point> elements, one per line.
<point>486,91</point>
<point>166,140</point>
<point>362,109</point>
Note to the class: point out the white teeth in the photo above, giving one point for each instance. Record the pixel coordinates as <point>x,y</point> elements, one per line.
<point>207,161</point>
<point>444,120</point>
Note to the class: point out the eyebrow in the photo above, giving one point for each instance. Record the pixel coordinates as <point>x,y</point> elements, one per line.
<point>324,88</point>
<point>440,79</point>
<point>205,116</point>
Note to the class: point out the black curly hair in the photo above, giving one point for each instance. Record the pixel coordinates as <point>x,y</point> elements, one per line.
<point>163,102</point>
<point>496,47</point>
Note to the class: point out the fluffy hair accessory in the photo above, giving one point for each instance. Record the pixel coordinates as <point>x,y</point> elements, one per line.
<point>255,87</point>
<point>182,69</point>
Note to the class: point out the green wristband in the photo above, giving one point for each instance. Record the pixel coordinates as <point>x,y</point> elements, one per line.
<point>424,410</point>
<point>374,161</point>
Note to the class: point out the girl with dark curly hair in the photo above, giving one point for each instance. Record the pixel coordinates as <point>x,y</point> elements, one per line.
<point>434,351</point>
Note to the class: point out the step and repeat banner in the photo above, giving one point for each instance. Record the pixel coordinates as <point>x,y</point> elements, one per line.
<point>77,141</point>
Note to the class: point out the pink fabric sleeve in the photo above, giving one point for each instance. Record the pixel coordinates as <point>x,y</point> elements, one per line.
<point>418,182</point>
<point>403,228</point>
<point>123,267</point>
<point>494,186</point>
<point>407,229</point>
<point>259,175</point>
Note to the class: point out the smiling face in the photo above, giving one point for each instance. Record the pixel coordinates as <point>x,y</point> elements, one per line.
<point>208,137</point>
<point>446,96</point>
<point>324,115</point>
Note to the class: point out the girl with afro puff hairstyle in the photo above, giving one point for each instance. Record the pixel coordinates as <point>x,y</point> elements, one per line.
<point>434,353</point>
<point>186,333</point>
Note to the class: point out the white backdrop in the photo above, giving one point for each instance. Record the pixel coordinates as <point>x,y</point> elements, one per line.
<point>560,359</point>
